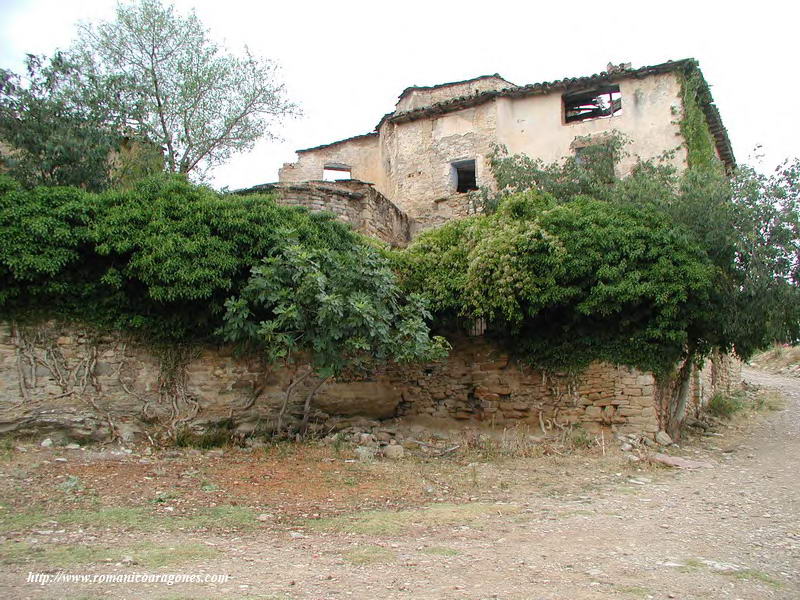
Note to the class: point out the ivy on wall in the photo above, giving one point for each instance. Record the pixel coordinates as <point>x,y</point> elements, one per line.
<point>700,143</point>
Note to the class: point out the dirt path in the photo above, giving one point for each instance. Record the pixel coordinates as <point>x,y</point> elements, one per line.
<point>729,531</point>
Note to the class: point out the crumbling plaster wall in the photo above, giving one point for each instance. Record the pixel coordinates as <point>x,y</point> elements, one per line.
<point>410,162</point>
<point>418,155</point>
<point>651,112</point>
<point>361,154</point>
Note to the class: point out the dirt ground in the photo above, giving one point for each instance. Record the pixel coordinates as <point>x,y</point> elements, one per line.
<point>310,522</point>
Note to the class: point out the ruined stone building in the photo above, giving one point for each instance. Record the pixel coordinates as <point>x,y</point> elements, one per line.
<point>412,172</point>
<point>435,145</point>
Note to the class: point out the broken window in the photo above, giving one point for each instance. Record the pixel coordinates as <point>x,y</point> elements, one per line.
<point>336,172</point>
<point>596,103</point>
<point>463,172</point>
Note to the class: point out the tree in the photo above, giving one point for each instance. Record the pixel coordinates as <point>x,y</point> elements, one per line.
<point>340,311</point>
<point>654,270</point>
<point>190,96</point>
<point>57,125</point>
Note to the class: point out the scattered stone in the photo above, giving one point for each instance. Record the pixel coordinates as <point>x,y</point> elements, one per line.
<point>367,439</point>
<point>73,446</point>
<point>393,450</point>
<point>217,452</point>
<point>296,535</point>
<point>60,459</point>
<point>264,517</point>
<point>722,567</point>
<point>128,432</point>
<point>663,438</point>
<point>384,436</point>
<point>626,447</point>
<point>676,461</point>
<point>365,453</point>
<point>47,443</point>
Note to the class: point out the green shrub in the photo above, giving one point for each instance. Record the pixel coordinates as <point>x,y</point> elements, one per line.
<point>725,406</point>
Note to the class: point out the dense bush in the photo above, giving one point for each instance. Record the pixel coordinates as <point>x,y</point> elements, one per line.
<point>160,258</point>
<point>565,284</point>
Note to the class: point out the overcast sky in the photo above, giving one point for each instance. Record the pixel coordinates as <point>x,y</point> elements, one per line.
<point>345,62</point>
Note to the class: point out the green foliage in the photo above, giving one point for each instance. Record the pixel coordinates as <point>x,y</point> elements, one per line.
<point>58,125</point>
<point>160,258</point>
<point>185,92</point>
<point>565,284</point>
<point>725,406</point>
<point>343,309</point>
<point>590,172</point>
<point>700,144</point>
<point>642,270</point>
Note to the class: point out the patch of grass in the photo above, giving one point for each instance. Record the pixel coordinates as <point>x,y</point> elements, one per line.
<point>778,357</point>
<point>769,400</point>
<point>755,575</point>
<point>580,439</point>
<point>71,484</point>
<point>692,565</point>
<point>162,556</point>
<point>162,497</point>
<point>367,555</point>
<point>223,517</point>
<point>65,556</point>
<point>441,551</point>
<point>386,522</point>
<point>724,406</point>
<point>135,518</point>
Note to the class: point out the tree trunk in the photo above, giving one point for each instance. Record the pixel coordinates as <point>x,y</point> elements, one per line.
<point>678,399</point>
<point>289,389</point>
<point>307,406</point>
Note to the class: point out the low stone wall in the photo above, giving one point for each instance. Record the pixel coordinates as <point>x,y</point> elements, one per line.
<point>57,376</point>
<point>720,374</point>
<point>352,201</point>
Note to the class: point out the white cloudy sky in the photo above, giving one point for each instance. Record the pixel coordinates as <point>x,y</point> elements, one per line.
<point>345,61</point>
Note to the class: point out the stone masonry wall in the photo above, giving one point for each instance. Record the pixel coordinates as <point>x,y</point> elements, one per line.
<point>60,377</point>
<point>351,201</point>
<point>720,374</point>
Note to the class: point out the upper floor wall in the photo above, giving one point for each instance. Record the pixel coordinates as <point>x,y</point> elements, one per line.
<point>437,145</point>
<point>416,97</point>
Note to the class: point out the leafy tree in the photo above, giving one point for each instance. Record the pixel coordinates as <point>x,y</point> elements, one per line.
<point>56,125</point>
<point>566,284</point>
<point>179,263</point>
<point>159,258</point>
<point>190,96</point>
<point>341,310</point>
<point>653,270</point>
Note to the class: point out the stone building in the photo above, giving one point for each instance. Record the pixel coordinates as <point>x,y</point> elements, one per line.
<point>411,172</point>
<point>435,145</point>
